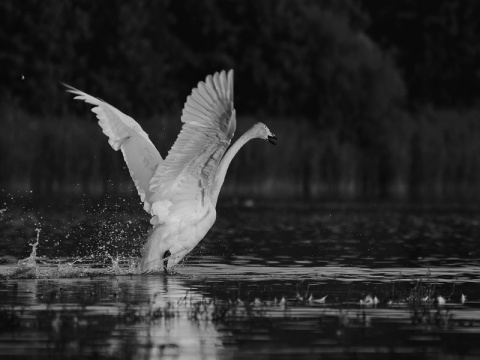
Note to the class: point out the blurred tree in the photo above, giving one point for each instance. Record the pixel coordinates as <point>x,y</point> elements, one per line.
<point>301,59</point>
<point>297,58</point>
<point>134,55</point>
<point>436,45</point>
<point>312,67</point>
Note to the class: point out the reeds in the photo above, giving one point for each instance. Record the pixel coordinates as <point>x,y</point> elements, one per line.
<point>434,154</point>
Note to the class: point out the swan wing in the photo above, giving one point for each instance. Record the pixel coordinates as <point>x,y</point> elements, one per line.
<point>126,134</point>
<point>208,126</point>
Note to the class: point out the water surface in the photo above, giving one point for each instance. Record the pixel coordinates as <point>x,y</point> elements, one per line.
<point>284,280</point>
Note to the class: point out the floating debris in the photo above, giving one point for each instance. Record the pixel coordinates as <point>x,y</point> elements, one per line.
<point>369,300</point>
<point>312,300</point>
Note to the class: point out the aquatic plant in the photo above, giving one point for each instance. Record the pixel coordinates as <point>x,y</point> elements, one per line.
<point>426,315</point>
<point>422,292</point>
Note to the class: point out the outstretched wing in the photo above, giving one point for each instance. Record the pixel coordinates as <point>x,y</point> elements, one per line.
<point>125,134</point>
<point>209,124</point>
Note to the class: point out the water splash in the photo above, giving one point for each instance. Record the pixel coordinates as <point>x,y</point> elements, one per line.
<point>28,267</point>
<point>124,266</point>
<point>78,267</point>
<point>94,239</point>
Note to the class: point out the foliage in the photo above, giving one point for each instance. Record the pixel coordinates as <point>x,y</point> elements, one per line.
<point>350,121</point>
<point>435,43</point>
<point>299,58</point>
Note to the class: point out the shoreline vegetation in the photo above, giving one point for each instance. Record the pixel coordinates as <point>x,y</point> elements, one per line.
<point>369,99</point>
<point>423,158</point>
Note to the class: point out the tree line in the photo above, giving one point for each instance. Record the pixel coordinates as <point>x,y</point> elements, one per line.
<point>372,98</point>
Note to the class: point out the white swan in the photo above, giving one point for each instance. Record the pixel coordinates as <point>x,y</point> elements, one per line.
<point>180,191</point>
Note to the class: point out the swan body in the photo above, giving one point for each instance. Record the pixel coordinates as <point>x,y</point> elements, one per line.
<point>179,191</point>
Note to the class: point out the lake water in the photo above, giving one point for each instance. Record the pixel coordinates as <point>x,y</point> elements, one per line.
<point>276,280</point>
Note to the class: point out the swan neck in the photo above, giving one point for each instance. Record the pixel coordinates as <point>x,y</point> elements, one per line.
<point>225,163</point>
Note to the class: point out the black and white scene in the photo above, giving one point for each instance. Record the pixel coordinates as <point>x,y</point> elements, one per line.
<point>240,179</point>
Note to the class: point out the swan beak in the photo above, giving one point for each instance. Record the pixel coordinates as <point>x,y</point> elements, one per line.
<point>270,139</point>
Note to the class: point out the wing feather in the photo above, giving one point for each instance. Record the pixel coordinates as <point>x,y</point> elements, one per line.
<point>209,124</point>
<point>202,90</point>
<point>223,84</point>
<point>197,96</point>
<point>218,86</point>
<point>126,134</point>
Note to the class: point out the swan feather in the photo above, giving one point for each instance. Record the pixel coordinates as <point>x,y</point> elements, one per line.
<point>127,135</point>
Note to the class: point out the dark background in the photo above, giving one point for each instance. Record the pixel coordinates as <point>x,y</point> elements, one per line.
<point>370,99</point>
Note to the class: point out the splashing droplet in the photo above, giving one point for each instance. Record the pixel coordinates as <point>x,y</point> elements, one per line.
<point>28,267</point>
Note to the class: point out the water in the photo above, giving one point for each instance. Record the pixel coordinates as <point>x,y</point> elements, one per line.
<point>270,280</point>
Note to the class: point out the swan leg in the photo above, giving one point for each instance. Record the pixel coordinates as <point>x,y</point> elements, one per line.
<point>166,255</point>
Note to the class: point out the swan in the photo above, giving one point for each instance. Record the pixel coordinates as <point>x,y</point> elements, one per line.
<point>179,191</point>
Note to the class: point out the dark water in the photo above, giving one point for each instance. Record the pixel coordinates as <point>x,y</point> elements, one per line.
<point>270,280</point>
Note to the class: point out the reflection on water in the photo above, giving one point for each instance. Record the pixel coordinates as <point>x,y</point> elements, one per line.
<point>284,281</point>
<point>185,317</point>
<point>257,314</point>
<point>144,316</point>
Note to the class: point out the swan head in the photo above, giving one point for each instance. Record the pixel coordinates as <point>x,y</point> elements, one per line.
<point>261,131</point>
